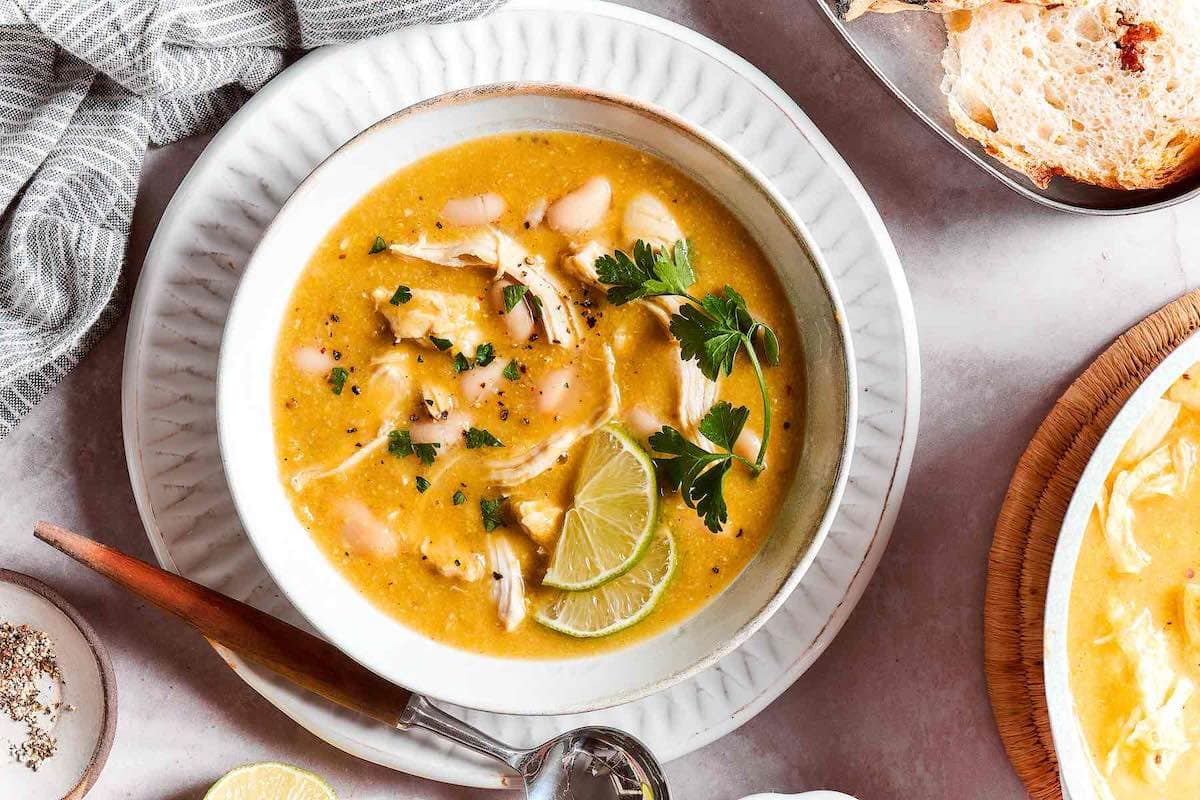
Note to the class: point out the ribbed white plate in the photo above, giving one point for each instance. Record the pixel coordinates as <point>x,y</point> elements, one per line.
<point>248,170</point>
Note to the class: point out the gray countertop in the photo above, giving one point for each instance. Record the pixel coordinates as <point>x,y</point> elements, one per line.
<point>1012,301</point>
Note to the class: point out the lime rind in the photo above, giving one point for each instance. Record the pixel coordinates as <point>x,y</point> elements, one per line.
<point>596,547</point>
<point>626,600</point>
<point>273,779</point>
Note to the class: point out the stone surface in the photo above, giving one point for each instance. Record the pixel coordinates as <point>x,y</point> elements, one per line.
<point>1012,301</point>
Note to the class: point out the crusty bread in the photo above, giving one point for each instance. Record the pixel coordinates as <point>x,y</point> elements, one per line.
<point>851,9</point>
<point>1107,93</point>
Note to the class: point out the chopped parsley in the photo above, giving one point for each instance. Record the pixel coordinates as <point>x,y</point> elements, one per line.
<point>461,363</point>
<point>422,484</point>
<point>459,498</point>
<point>513,294</point>
<point>492,512</point>
<point>484,355</point>
<point>402,295</point>
<point>400,444</point>
<point>337,379</point>
<point>478,437</point>
<point>698,474</point>
<point>378,246</point>
<point>512,371</point>
<point>441,344</point>
<point>711,331</point>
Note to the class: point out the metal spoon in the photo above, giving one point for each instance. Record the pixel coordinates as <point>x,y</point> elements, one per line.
<point>590,763</point>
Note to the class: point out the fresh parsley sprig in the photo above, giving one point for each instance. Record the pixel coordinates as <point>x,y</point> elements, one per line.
<point>711,330</point>
<point>698,474</point>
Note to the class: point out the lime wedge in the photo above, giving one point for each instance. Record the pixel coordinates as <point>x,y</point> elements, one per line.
<point>271,780</point>
<point>613,518</point>
<point>619,603</point>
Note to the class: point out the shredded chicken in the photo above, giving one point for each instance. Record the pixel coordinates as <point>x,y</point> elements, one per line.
<point>1128,556</point>
<point>451,561</point>
<point>304,477</point>
<point>431,313</point>
<point>648,219</point>
<point>541,519</point>
<point>697,394</point>
<point>508,585</point>
<point>580,261</point>
<point>438,402</point>
<point>1155,729</point>
<point>489,247</point>
<point>1150,431</point>
<point>515,470</point>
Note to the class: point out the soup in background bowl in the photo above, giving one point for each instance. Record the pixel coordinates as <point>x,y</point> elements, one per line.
<point>1123,610</point>
<point>452,359</point>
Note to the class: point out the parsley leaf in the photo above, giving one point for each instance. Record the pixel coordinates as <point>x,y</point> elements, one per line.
<point>513,293</point>
<point>403,295</point>
<point>459,498</point>
<point>492,512</point>
<point>400,444</point>
<point>512,371</point>
<point>422,484</point>
<point>710,341</point>
<point>698,474</point>
<point>723,424</point>
<point>478,437</point>
<point>649,273</point>
<point>378,246</point>
<point>441,344</point>
<point>461,363</point>
<point>337,378</point>
<point>484,355</point>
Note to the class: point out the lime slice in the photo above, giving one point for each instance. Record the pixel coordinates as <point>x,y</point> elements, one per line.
<point>612,521</point>
<point>271,780</point>
<point>619,603</point>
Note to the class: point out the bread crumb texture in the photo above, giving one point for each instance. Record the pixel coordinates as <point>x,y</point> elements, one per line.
<point>1106,93</point>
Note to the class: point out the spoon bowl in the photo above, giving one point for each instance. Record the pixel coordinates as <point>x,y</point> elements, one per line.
<point>592,763</point>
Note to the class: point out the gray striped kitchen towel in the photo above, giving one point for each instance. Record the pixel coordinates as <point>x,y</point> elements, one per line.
<point>85,86</point>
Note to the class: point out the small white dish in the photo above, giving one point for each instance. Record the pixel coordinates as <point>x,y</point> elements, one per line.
<point>377,640</point>
<point>84,733</point>
<point>820,794</point>
<point>1074,764</point>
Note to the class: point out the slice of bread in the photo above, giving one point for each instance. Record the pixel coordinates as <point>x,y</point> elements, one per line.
<point>852,9</point>
<point>1107,93</point>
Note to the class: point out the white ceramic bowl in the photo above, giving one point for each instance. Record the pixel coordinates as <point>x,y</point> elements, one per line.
<point>332,604</point>
<point>1075,767</point>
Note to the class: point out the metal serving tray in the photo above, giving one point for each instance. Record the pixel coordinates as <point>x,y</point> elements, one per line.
<point>905,52</point>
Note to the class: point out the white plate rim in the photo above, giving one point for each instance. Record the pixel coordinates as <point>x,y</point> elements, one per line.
<point>911,403</point>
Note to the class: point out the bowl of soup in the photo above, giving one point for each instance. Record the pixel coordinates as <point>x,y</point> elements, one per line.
<point>1122,624</point>
<point>536,400</point>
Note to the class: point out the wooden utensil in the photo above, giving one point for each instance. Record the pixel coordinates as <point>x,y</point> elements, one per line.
<point>297,655</point>
<point>590,763</point>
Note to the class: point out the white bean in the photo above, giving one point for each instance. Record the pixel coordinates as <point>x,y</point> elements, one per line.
<point>519,322</point>
<point>478,209</point>
<point>582,209</point>
<point>445,432</point>
<point>363,533</point>
<point>481,383</point>
<point>312,360</point>
<point>554,389</point>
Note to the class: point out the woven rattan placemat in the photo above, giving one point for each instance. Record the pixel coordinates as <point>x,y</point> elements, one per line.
<point>1028,526</point>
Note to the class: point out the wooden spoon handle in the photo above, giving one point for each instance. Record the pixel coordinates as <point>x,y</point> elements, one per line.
<point>302,658</point>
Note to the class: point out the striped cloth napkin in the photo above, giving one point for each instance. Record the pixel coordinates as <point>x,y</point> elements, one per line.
<point>85,86</point>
